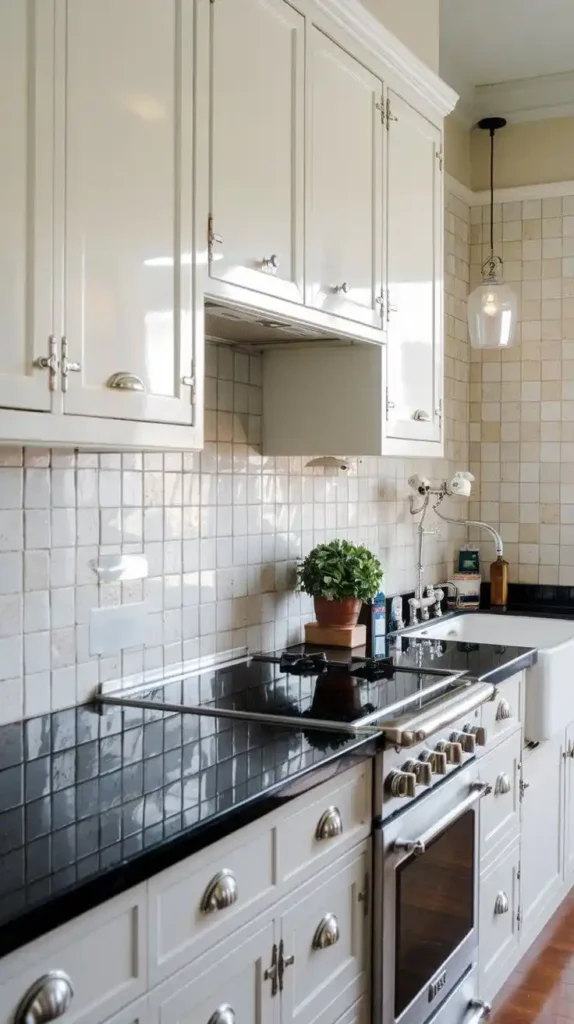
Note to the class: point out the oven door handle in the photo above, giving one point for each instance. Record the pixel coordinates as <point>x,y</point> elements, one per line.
<point>418,846</point>
<point>477,1012</point>
<point>408,730</point>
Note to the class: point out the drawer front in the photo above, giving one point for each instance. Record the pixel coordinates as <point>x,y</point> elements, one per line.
<point>498,924</point>
<point>201,900</point>
<point>233,983</point>
<point>339,817</point>
<point>499,811</point>
<point>135,1013</point>
<point>501,716</point>
<point>357,1014</point>
<point>456,1007</point>
<point>326,930</point>
<point>102,953</point>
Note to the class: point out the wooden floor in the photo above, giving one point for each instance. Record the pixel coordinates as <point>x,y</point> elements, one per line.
<point>541,989</point>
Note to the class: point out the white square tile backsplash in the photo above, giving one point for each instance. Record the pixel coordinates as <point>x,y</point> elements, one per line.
<point>221,529</point>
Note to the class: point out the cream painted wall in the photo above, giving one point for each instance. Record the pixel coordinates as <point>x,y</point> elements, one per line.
<point>457,150</point>
<point>414,22</point>
<point>531,153</point>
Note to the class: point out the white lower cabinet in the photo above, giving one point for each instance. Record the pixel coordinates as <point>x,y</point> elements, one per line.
<point>306,959</point>
<point>542,839</point>
<point>135,1013</point>
<point>500,809</point>
<point>569,806</point>
<point>498,922</point>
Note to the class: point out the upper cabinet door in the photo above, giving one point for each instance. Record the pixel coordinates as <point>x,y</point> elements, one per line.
<point>26,202</point>
<point>414,275</point>
<point>126,167</point>
<point>344,184</point>
<point>257,139</point>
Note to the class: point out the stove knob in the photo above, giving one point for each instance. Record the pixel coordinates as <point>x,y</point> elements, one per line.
<point>452,751</point>
<point>436,759</point>
<point>465,739</point>
<point>479,733</point>
<point>421,770</point>
<point>401,783</point>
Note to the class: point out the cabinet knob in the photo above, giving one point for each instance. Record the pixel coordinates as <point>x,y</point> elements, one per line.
<point>270,262</point>
<point>225,1014</point>
<point>342,289</point>
<point>502,785</point>
<point>47,999</point>
<point>421,416</point>
<point>330,824</point>
<point>220,893</point>
<point>452,751</point>
<point>327,933</point>
<point>503,711</point>
<point>124,381</point>
<point>401,783</point>
<point>479,733</point>
<point>501,904</point>
<point>436,759</point>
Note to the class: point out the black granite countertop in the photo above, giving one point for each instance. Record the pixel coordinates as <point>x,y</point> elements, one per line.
<point>91,804</point>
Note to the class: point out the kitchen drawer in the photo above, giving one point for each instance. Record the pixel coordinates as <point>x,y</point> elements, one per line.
<point>458,1004</point>
<point>359,1013</point>
<point>135,1013</point>
<point>338,817</point>
<point>497,920</point>
<point>501,716</point>
<point>103,954</point>
<point>182,925</point>
<point>499,811</point>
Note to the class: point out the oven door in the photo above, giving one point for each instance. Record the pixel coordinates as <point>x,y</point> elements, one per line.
<point>426,872</point>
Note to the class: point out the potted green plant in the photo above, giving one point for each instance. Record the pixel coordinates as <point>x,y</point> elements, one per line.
<point>339,576</point>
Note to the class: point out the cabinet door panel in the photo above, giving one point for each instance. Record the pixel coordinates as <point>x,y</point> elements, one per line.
<point>344,184</point>
<point>322,982</point>
<point>498,924</point>
<point>26,200</point>
<point>235,980</point>
<point>414,275</point>
<point>128,217</point>
<point>569,804</point>
<point>542,838</point>
<point>257,145</point>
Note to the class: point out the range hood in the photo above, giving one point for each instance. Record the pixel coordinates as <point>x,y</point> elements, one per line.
<point>243,326</point>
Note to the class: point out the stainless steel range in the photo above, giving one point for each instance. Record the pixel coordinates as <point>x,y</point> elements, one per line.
<point>427,794</point>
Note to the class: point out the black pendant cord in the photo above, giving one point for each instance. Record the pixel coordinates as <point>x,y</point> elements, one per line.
<point>492,130</point>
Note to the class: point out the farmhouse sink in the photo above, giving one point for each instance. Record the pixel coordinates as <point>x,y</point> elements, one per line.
<point>549,693</point>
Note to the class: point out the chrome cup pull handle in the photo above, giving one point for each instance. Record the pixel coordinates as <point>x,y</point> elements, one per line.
<point>503,711</point>
<point>327,933</point>
<point>124,381</point>
<point>501,903</point>
<point>225,1014</point>
<point>221,892</point>
<point>421,416</point>
<point>46,1000</point>
<point>330,824</point>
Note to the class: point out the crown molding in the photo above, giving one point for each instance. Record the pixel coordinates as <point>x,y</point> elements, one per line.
<point>372,35</point>
<point>517,194</point>
<point>527,99</point>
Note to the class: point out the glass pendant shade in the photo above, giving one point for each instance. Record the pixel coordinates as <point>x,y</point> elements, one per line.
<point>493,306</point>
<point>492,314</point>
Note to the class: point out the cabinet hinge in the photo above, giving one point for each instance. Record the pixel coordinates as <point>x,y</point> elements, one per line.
<point>518,918</point>
<point>438,154</point>
<point>390,405</point>
<point>189,382</point>
<point>438,412</point>
<point>390,307</point>
<point>363,896</point>
<point>212,239</point>
<point>382,110</point>
<point>523,786</point>
<point>389,116</point>
<point>271,973</point>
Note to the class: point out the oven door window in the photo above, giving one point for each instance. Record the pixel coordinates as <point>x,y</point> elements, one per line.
<point>434,907</point>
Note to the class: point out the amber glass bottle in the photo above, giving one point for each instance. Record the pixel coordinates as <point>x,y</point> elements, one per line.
<point>499,582</point>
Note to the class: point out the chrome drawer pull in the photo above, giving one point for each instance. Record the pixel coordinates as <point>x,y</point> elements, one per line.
<point>418,846</point>
<point>327,933</point>
<point>503,711</point>
<point>124,381</point>
<point>501,904</point>
<point>47,999</point>
<point>225,1014</point>
<point>477,1011</point>
<point>421,416</point>
<point>502,784</point>
<point>220,893</point>
<point>330,824</point>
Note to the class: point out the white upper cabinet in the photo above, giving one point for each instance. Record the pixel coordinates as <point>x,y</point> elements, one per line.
<point>414,275</point>
<point>26,159</point>
<point>125,171</point>
<point>256,167</point>
<point>344,184</point>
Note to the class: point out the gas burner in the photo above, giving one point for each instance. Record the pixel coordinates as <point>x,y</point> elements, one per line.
<point>373,669</point>
<point>303,664</point>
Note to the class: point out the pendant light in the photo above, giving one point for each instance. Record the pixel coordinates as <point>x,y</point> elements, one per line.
<point>492,306</point>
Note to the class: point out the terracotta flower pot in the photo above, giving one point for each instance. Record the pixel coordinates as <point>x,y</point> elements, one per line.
<point>337,613</point>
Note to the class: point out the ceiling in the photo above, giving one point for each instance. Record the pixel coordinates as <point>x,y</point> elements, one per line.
<point>495,41</point>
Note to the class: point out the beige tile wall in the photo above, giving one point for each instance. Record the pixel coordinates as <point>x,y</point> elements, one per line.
<point>522,400</point>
